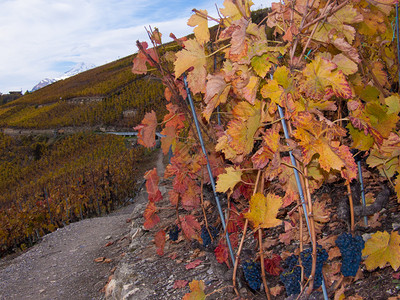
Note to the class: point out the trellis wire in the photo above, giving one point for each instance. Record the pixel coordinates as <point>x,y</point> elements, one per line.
<point>221,214</point>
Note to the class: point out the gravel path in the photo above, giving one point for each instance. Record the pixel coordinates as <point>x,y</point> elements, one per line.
<point>62,265</point>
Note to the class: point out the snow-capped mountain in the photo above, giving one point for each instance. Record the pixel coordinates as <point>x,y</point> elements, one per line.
<point>43,83</point>
<point>78,68</point>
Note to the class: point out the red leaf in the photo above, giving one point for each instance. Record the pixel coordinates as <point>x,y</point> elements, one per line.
<point>221,253</point>
<point>108,244</point>
<point>193,264</point>
<point>151,219</point>
<point>139,62</point>
<point>272,265</point>
<point>159,240</point>
<point>396,275</point>
<point>190,226</point>
<point>152,185</point>
<point>179,284</point>
<point>147,130</point>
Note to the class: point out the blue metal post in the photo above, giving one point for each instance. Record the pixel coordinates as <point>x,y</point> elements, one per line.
<point>221,214</point>
<point>299,187</point>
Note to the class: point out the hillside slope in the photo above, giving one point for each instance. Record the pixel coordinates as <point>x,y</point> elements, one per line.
<point>109,95</point>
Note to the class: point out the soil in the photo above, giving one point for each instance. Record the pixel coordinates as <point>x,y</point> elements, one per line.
<point>63,266</point>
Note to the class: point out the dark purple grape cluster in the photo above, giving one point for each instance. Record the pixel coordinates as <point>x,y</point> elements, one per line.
<point>205,236</point>
<point>350,248</point>
<point>306,260</point>
<point>291,275</point>
<point>173,233</point>
<point>252,273</point>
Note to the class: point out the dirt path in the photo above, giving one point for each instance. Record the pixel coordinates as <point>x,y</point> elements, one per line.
<point>62,265</point>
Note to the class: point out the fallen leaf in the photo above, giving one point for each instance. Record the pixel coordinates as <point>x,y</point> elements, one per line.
<point>179,284</point>
<point>108,244</point>
<point>339,294</point>
<point>276,290</point>
<point>197,291</point>
<point>159,240</point>
<point>193,264</point>
<point>107,260</point>
<point>382,248</point>
<point>100,259</point>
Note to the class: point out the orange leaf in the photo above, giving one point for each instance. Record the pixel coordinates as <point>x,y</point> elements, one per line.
<point>382,248</point>
<point>263,210</point>
<point>192,56</point>
<point>159,240</point>
<point>151,219</point>
<point>99,259</point>
<point>197,291</point>
<point>152,185</point>
<point>320,77</point>
<point>191,197</point>
<point>147,130</point>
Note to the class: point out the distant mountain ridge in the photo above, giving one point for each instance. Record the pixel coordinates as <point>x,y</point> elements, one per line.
<point>78,68</point>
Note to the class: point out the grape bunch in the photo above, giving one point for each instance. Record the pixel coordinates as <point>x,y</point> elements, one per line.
<point>252,273</point>
<point>350,248</point>
<point>306,260</point>
<point>291,275</point>
<point>205,236</point>
<point>173,233</point>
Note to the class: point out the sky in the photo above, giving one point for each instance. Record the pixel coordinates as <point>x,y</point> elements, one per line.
<point>45,38</point>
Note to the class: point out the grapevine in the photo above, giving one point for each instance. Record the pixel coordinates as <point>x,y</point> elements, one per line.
<point>278,106</point>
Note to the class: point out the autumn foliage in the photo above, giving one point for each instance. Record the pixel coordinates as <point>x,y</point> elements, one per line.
<point>330,72</point>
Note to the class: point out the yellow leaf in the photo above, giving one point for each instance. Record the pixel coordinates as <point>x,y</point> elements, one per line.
<point>345,64</point>
<point>263,210</point>
<point>228,180</point>
<point>320,76</point>
<point>192,56</point>
<point>243,127</point>
<point>382,248</point>
<point>201,31</point>
<point>273,91</point>
<point>380,73</point>
<point>282,76</point>
<point>261,64</point>
<point>393,103</point>
<point>232,13</point>
<point>197,291</point>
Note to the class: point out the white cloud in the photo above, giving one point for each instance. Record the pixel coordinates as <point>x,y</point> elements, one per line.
<point>38,38</point>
